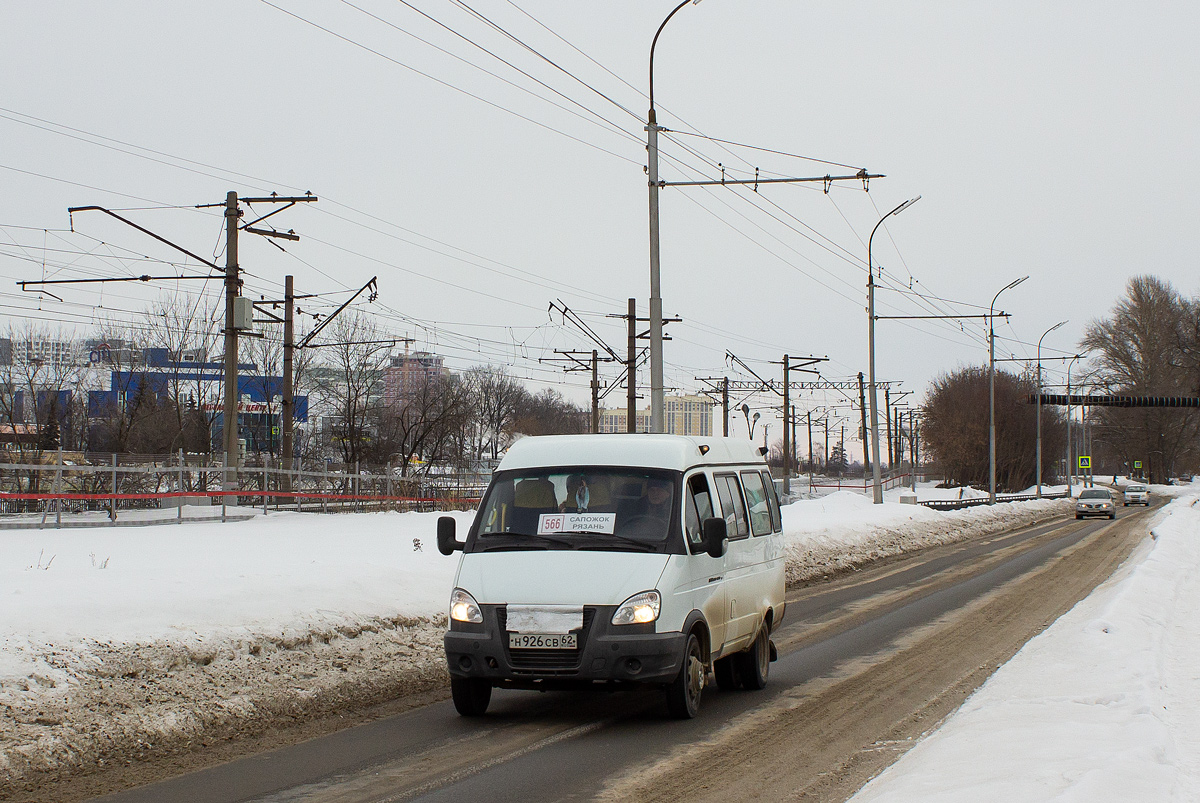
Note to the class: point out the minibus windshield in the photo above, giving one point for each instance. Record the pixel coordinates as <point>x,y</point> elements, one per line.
<point>589,507</point>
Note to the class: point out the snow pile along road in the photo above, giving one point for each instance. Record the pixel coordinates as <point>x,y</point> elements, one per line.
<point>1103,705</point>
<point>117,644</point>
<point>121,643</point>
<point>843,531</point>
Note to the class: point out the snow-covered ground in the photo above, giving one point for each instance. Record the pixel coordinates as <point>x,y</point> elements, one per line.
<point>122,642</point>
<point>1104,705</point>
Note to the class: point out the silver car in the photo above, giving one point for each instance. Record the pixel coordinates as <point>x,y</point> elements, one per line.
<point>1136,495</point>
<point>1095,502</point>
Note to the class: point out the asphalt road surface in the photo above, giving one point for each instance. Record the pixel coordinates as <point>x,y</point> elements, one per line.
<point>867,663</point>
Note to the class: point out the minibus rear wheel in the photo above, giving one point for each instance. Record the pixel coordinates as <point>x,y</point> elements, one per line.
<point>754,664</point>
<point>471,696</point>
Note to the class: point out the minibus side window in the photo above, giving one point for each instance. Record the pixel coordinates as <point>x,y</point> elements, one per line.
<point>756,501</point>
<point>731,504</point>
<point>773,501</point>
<point>697,506</point>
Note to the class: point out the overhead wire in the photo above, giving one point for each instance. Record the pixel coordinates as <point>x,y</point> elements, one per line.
<point>446,84</point>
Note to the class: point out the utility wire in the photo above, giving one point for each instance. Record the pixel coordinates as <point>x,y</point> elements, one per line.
<point>446,84</point>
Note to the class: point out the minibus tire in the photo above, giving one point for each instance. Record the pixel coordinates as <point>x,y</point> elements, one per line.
<point>754,664</point>
<point>683,693</point>
<point>727,674</point>
<point>471,696</point>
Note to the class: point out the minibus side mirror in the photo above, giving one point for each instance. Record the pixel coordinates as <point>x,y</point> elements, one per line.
<point>715,536</point>
<point>446,538</point>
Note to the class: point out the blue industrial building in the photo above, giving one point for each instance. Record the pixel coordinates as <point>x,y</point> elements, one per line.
<point>259,423</point>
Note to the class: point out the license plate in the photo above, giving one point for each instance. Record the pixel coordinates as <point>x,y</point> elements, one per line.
<point>542,641</point>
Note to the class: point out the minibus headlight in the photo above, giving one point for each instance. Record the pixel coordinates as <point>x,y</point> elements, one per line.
<point>639,609</point>
<point>464,608</point>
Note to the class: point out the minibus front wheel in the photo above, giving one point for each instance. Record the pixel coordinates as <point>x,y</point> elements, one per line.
<point>471,695</point>
<point>683,695</point>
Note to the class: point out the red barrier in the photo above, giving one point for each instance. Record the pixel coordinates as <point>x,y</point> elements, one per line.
<point>237,492</point>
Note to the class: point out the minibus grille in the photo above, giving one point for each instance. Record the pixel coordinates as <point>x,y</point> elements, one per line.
<point>546,662</point>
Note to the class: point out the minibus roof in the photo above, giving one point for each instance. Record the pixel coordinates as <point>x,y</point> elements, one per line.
<point>678,452</point>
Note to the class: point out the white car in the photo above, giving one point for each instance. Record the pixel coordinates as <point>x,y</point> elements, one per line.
<point>1136,495</point>
<point>597,561</point>
<point>1095,502</point>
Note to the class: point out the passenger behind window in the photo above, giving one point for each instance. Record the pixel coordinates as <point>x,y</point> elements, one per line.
<point>578,495</point>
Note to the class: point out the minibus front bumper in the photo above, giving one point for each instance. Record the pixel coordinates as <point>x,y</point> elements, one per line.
<point>604,652</point>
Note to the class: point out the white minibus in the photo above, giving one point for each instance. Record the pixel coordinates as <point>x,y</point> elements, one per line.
<point>596,560</point>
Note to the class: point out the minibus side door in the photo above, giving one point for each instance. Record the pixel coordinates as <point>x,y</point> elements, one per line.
<point>705,574</point>
<point>739,563</point>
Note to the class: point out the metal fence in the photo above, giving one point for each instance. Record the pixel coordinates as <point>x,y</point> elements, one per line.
<point>887,482</point>
<point>70,483</point>
<point>958,504</point>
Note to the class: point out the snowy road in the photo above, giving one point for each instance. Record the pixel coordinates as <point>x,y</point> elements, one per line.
<point>867,664</point>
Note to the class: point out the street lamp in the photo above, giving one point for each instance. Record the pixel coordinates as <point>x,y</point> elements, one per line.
<point>750,422</point>
<point>992,391</point>
<point>877,480</point>
<point>656,341</point>
<point>1070,456</point>
<point>1039,406</point>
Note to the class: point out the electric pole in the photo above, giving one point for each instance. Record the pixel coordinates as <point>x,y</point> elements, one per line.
<point>229,427</point>
<point>631,368</point>
<point>595,391</point>
<point>787,445</point>
<point>287,408</point>
<point>887,415</point>
<point>862,406</point>
<point>233,285</point>
<point>810,452</point>
<point>725,407</point>
<point>655,184</point>
<point>583,361</point>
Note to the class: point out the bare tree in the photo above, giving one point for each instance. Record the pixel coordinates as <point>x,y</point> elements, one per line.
<point>188,327</point>
<point>423,430</point>
<point>955,429</point>
<point>1144,348</point>
<point>497,396</point>
<point>43,370</point>
<point>352,384</point>
<point>549,413</point>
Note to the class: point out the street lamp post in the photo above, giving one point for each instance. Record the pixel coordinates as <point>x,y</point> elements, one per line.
<point>1070,450</point>
<point>1039,406</point>
<point>750,423</point>
<point>992,390</point>
<point>877,480</point>
<point>656,338</point>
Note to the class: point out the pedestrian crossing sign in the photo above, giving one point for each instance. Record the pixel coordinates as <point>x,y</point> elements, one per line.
<point>1137,463</point>
<point>1085,461</point>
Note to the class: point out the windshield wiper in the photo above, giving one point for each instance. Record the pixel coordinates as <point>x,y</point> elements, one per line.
<point>624,538</point>
<point>517,536</point>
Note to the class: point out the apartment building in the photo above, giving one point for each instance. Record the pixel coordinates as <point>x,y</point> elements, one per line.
<point>683,415</point>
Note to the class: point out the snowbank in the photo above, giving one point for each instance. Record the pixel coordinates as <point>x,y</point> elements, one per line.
<point>843,531</point>
<point>117,643</point>
<point>1103,705</point>
<point>122,642</point>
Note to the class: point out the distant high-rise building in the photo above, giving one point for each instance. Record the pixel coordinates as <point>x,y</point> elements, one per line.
<point>408,373</point>
<point>683,415</point>
<point>6,351</point>
<point>55,353</point>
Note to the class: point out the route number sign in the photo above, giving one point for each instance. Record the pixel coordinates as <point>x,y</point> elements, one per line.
<point>1085,461</point>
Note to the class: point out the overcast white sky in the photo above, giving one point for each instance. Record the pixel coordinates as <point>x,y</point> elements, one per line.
<point>1055,140</point>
